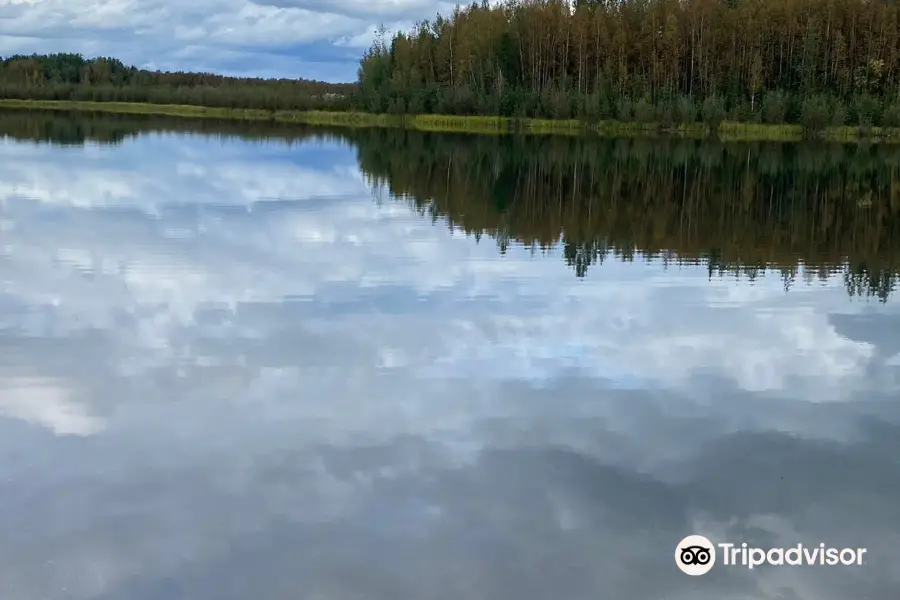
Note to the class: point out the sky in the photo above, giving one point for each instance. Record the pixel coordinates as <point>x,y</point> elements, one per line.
<point>226,371</point>
<point>312,39</point>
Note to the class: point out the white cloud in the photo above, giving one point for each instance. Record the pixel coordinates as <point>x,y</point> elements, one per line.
<point>47,404</point>
<point>238,37</point>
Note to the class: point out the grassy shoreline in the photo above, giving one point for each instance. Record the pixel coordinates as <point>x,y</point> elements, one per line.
<point>727,131</point>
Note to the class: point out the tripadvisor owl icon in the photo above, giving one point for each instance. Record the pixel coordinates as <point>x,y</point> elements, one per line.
<point>695,555</point>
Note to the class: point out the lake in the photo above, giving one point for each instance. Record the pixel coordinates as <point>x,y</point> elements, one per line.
<point>257,361</point>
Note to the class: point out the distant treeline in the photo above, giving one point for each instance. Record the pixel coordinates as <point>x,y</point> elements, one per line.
<point>824,209</point>
<point>73,77</point>
<point>813,62</point>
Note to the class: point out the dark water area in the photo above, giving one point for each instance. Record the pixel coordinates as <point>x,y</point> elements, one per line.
<point>262,361</point>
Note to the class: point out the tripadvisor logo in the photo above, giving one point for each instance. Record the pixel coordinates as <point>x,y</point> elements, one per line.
<point>696,555</point>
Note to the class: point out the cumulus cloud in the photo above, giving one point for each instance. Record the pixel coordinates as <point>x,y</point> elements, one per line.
<point>303,38</point>
<point>225,355</point>
<point>385,9</point>
<point>47,404</point>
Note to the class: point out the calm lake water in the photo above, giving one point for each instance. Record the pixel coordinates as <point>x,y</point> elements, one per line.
<point>247,361</point>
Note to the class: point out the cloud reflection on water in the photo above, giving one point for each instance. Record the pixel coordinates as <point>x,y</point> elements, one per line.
<point>246,359</point>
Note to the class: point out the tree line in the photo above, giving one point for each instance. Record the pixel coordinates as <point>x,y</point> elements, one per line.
<point>73,77</point>
<point>800,210</point>
<point>816,62</point>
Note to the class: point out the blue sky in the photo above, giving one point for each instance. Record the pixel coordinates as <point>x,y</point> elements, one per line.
<point>316,39</point>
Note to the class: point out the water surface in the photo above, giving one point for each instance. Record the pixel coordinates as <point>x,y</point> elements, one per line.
<point>256,362</point>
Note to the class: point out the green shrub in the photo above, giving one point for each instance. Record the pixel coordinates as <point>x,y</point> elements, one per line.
<point>713,112</point>
<point>644,112</point>
<point>891,115</point>
<point>838,114</point>
<point>625,110</point>
<point>815,114</point>
<point>867,109</point>
<point>775,107</point>
<point>742,112</point>
<point>686,110</point>
<point>665,113</point>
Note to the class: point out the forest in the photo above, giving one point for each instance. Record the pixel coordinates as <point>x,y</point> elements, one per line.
<point>812,62</point>
<point>816,63</point>
<point>73,77</point>
<point>810,210</point>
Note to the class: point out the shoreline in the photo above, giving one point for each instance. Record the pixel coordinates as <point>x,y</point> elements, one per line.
<point>727,131</point>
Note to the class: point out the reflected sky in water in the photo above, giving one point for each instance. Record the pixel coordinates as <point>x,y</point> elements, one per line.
<point>227,372</point>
